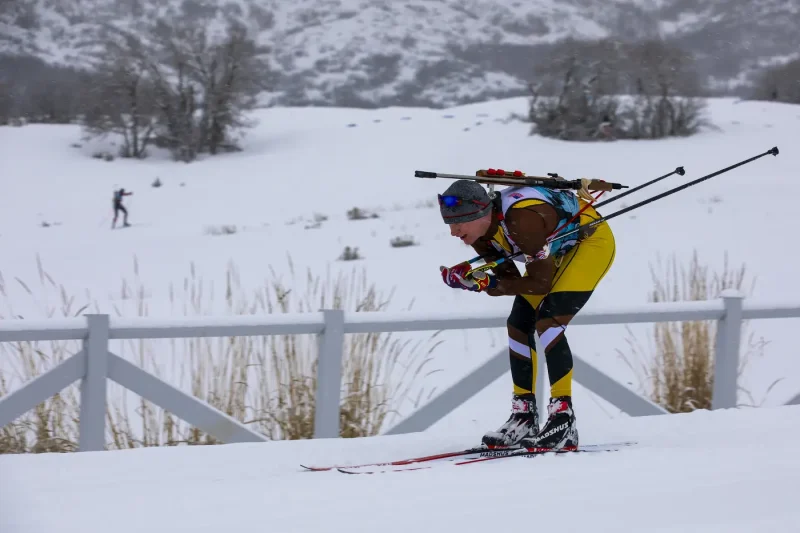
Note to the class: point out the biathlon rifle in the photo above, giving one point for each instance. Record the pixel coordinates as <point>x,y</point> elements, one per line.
<point>518,178</point>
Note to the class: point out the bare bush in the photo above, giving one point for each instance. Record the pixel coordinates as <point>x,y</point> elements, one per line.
<point>350,254</point>
<point>596,90</point>
<point>105,156</point>
<point>267,383</point>
<point>223,229</point>
<point>356,213</point>
<point>575,90</point>
<point>681,370</point>
<point>664,80</point>
<point>403,241</point>
<point>779,83</point>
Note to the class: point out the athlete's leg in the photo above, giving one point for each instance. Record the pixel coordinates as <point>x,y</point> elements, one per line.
<point>524,419</point>
<point>575,280</point>
<point>521,344</point>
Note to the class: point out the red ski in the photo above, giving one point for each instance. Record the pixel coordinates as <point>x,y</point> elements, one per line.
<point>423,459</point>
<point>483,453</point>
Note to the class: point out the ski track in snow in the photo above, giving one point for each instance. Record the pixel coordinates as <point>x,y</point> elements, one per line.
<point>690,472</point>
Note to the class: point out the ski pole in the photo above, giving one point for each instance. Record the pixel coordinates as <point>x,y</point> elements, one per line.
<point>678,170</point>
<point>772,151</point>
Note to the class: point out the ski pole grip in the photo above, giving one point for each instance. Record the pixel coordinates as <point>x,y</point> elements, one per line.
<point>424,174</point>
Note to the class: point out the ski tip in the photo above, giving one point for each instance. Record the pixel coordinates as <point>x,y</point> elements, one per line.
<point>314,468</point>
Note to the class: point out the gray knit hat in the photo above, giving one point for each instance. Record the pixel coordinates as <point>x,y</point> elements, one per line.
<point>463,201</point>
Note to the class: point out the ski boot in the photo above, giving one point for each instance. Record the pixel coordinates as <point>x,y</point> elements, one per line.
<point>559,431</point>
<point>523,423</point>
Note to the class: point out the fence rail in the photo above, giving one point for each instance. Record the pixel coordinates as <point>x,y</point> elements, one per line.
<point>94,364</point>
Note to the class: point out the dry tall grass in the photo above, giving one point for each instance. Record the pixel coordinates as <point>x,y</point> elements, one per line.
<point>267,383</point>
<point>681,370</point>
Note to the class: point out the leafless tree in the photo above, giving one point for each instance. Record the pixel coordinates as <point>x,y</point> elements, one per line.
<point>177,86</point>
<point>176,94</point>
<point>121,97</point>
<point>231,76</point>
<point>204,86</point>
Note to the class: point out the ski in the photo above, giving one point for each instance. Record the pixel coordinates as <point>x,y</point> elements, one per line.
<point>423,459</point>
<point>486,455</point>
<point>352,471</point>
<point>482,453</point>
<point>532,452</point>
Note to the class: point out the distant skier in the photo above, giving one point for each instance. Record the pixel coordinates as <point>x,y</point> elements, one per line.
<point>559,279</point>
<point>117,202</point>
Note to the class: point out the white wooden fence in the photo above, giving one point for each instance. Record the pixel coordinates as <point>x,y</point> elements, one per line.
<point>94,363</point>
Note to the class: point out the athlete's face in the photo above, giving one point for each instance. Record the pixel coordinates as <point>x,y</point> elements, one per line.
<point>471,231</point>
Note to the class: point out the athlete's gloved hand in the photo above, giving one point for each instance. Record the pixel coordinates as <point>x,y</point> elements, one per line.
<point>454,275</point>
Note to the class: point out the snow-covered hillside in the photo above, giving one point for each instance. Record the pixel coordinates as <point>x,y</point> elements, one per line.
<point>377,52</point>
<point>727,471</point>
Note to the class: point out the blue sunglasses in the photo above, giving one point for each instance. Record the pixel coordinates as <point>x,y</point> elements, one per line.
<point>453,201</point>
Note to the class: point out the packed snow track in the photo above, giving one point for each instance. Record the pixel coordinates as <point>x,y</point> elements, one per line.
<point>723,471</point>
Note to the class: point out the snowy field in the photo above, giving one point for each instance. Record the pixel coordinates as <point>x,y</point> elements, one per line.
<point>298,164</point>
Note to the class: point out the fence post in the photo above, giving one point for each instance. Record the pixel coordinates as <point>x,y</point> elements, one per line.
<point>91,425</point>
<point>329,375</point>
<point>726,357</point>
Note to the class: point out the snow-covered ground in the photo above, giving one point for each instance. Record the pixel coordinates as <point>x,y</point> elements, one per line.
<point>727,471</point>
<point>299,163</point>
